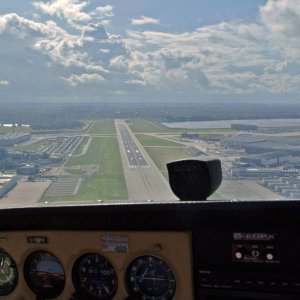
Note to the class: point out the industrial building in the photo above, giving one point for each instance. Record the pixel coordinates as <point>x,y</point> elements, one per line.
<point>284,186</point>
<point>274,158</point>
<point>261,172</point>
<point>279,129</point>
<point>10,139</point>
<point>240,141</point>
<point>244,127</point>
<point>7,183</point>
<point>28,169</point>
<point>268,126</point>
<point>190,136</point>
<point>271,146</point>
<point>260,144</point>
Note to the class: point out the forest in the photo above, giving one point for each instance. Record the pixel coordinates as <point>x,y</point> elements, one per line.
<point>72,116</point>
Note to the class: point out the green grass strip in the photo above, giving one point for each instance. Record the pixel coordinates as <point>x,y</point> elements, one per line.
<point>104,126</point>
<point>149,140</point>
<point>109,182</point>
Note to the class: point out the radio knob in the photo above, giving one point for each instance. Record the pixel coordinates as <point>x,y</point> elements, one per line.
<point>270,256</point>
<point>238,255</point>
<point>255,253</point>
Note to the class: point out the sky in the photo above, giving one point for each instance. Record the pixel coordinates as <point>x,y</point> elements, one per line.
<point>184,50</point>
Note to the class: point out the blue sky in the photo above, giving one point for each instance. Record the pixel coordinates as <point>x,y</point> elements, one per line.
<point>149,50</point>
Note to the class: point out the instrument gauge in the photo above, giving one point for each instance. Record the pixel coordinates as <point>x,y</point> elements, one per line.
<point>44,274</point>
<point>94,277</point>
<point>8,274</point>
<point>151,278</point>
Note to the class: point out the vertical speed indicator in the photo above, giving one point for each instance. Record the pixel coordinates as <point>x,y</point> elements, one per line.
<point>150,278</point>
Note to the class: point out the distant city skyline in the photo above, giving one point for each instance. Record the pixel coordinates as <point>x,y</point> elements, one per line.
<point>70,50</point>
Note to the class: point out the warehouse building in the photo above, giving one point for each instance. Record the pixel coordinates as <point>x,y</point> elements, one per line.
<point>261,173</point>
<point>240,141</point>
<point>244,127</point>
<point>271,146</point>
<point>268,159</point>
<point>28,169</point>
<point>190,136</point>
<point>285,186</point>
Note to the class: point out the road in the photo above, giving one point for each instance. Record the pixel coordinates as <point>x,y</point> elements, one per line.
<point>144,180</point>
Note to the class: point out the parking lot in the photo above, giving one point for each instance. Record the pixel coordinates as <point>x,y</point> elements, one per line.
<point>64,187</point>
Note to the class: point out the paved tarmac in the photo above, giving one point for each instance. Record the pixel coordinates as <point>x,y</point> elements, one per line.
<point>24,194</point>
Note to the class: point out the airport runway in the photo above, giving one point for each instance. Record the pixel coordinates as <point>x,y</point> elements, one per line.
<point>134,155</point>
<point>143,179</point>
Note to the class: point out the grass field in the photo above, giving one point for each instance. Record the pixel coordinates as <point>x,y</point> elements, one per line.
<point>143,126</point>
<point>149,140</point>
<point>92,156</point>
<point>109,182</point>
<point>105,126</point>
<point>163,155</point>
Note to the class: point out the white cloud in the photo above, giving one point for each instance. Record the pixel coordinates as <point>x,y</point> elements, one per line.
<point>23,27</point>
<point>221,58</point>
<point>71,10</point>
<point>134,81</point>
<point>95,31</point>
<point>143,20</point>
<point>282,17</point>
<point>4,82</point>
<point>52,41</point>
<point>119,62</point>
<point>282,20</point>
<point>74,79</point>
<point>197,59</point>
<point>103,12</point>
<point>226,58</point>
<point>104,50</point>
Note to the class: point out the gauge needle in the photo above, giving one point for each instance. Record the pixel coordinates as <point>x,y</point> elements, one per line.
<point>106,289</point>
<point>144,275</point>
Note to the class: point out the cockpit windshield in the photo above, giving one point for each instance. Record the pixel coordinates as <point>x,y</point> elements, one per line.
<point>96,97</point>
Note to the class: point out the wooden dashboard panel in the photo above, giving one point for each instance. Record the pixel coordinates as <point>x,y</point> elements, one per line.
<point>172,247</point>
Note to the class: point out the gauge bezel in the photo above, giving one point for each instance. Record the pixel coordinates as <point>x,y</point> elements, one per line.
<point>160,258</point>
<point>41,291</point>
<point>76,280</point>
<point>13,285</point>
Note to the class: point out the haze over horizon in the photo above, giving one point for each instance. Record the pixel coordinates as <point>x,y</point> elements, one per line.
<point>70,50</point>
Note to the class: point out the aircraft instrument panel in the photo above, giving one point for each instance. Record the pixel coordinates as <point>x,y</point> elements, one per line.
<point>152,251</point>
<point>95,265</point>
